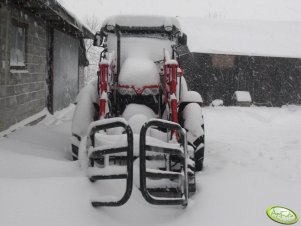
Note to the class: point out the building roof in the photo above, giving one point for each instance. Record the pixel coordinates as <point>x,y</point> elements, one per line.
<point>55,14</point>
<point>243,37</point>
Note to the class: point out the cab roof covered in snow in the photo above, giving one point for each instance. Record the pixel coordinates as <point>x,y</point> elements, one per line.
<point>150,23</point>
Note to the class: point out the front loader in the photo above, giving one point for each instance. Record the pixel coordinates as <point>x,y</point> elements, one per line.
<point>140,110</point>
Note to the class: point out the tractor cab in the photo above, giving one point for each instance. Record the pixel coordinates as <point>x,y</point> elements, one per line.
<point>141,45</point>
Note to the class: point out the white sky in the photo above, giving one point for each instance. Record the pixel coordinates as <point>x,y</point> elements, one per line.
<point>283,10</point>
<point>253,27</point>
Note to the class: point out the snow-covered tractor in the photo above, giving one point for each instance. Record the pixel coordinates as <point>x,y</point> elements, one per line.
<point>140,112</point>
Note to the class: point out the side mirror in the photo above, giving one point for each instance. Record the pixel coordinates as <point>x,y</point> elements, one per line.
<point>98,39</point>
<point>182,40</point>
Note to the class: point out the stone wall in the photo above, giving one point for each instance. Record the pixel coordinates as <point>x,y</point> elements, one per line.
<point>22,92</point>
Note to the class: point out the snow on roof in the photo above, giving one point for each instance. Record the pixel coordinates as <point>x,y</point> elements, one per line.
<point>243,96</point>
<point>76,21</point>
<point>243,37</point>
<point>141,21</point>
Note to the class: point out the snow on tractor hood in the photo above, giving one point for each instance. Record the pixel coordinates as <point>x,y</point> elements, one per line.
<point>139,72</point>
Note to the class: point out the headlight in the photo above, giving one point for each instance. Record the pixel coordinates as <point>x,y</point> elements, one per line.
<point>122,91</point>
<point>150,91</point>
<point>110,27</point>
<point>168,28</point>
<point>127,91</point>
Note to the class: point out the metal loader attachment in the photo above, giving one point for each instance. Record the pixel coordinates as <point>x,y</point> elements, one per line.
<point>167,184</point>
<point>102,158</point>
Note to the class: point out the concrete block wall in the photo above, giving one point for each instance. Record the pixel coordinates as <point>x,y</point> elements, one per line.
<point>22,92</point>
<point>81,77</point>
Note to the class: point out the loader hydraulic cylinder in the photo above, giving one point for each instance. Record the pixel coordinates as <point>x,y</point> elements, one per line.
<point>103,67</point>
<point>173,88</point>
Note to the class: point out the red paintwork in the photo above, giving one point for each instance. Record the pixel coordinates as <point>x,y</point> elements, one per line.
<point>173,90</point>
<point>165,83</point>
<point>102,108</point>
<point>174,112</point>
<point>103,79</point>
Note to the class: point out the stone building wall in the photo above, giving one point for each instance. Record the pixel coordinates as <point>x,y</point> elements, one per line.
<point>22,92</point>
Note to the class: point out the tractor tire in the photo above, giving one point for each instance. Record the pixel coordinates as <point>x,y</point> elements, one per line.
<point>74,152</point>
<point>199,159</point>
<point>191,118</point>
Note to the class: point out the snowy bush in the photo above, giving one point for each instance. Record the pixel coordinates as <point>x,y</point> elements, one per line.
<point>216,103</point>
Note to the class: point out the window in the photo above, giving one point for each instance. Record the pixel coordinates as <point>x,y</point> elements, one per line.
<point>17,45</point>
<point>223,61</point>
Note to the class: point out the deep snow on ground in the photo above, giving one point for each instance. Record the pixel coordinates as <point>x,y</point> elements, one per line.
<point>252,161</point>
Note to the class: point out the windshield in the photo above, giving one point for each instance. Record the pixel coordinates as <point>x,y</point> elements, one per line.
<point>150,47</point>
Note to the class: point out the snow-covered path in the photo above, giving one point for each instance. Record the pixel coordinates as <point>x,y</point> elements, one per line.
<point>252,162</point>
